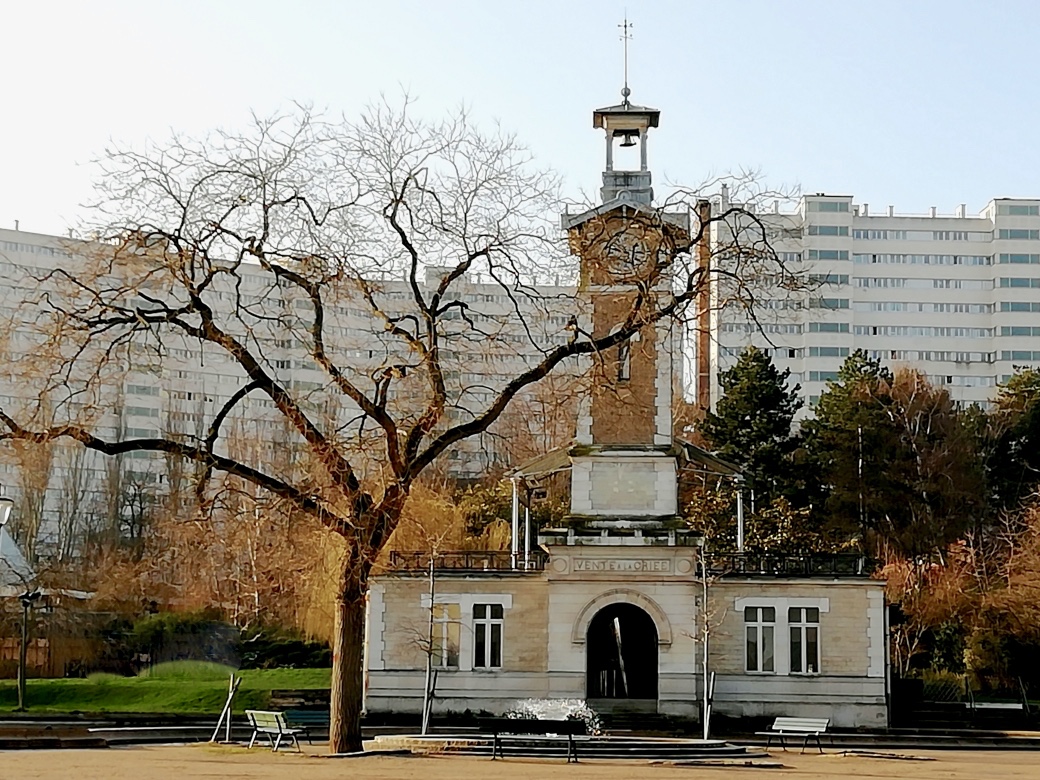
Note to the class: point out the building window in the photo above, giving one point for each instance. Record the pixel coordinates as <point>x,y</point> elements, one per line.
<point>1020,354</point>
<point>759,630</point>
<point>1009,210</point>
<point>804,624</point>
<point>487,636</point>
<point>624,361</point>
<point>1020,330</point>
<point>829,303</point>
<point>1019,281</point>
<point>829,278</point>
<point>823,376</point>
<point>1015,234</point>
<point>142,390</point>
<point>828,327</point>
<point>828,230</point>
<point>446,631</point>
<point>829,352</point>
<point>1030,306</point>
<point>828,254</point>
<point>832,206</point>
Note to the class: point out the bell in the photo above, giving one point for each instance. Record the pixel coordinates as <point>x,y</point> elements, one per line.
<point>628,141</point>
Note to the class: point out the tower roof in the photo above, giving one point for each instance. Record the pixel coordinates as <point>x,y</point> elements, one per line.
<point>614,115</point>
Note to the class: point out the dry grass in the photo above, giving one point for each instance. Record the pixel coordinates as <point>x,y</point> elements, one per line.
<point>201,761</point>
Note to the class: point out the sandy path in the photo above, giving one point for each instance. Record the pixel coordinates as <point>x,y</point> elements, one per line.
<point>197,762</point>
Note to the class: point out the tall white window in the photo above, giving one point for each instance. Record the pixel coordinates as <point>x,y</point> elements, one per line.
<point>446,632</point>
<point>804,624</point>
<point>759,636</point>
<point>487,636</point>
<point>624,361</point>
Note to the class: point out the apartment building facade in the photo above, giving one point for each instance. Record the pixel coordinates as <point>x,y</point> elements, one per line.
<point>177,387</point>
<point>955,296</point>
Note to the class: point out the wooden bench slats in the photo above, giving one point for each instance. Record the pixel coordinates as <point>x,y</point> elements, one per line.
<point>305,720</point>
<point>500,726</point>
<point>809,728</point>
<point>273,726</point>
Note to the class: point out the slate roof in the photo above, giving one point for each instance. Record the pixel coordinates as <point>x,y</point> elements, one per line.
<point>14,569</point>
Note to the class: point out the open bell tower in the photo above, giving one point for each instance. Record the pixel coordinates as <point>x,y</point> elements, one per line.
<point>623,475</point>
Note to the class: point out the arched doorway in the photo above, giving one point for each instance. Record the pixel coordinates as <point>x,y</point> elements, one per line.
<point>621,654</point>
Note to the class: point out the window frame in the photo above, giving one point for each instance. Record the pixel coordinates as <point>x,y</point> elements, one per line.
<point>443,623</point>
<point>782,635</point>
<point>800,625</point>
<point>759,626</point>
<point>489,623</point>
<point>624,361</point>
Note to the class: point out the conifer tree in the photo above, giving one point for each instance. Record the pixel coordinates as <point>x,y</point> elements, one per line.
<point>1014,468</point>
<point>751,424</point>
<point>896,459</point>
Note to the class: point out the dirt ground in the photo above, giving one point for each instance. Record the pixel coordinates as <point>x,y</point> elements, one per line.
<point>200,762</point>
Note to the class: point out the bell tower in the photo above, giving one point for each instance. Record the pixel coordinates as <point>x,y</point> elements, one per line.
<point>623,475</point>
<point>629,124</point>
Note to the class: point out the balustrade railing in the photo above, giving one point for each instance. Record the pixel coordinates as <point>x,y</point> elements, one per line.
<point>719,564</point>
<point>789,565</point>
<point>469,561</point>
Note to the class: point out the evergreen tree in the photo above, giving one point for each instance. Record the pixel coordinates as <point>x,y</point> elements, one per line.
<point>896,458</point>
<point>751,425</point>
<point>848,442</point>
<point>1014,468</point>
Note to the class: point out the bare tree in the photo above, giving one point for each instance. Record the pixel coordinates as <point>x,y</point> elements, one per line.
<point>73,502</point>
<point>361,263</point>
<point>35,468</point>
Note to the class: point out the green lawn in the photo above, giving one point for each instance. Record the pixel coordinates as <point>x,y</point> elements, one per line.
<point>177,691</point>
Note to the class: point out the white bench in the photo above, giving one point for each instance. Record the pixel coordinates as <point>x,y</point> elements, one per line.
<point>806,728</point>
<point>273,726</point>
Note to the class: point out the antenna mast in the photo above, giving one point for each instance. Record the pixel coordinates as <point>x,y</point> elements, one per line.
<point>626,36</point>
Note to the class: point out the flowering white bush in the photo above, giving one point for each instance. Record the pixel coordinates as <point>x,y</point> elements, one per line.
<point>556,709</point>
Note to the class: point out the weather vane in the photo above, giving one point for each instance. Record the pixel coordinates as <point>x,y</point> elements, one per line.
<point>626,36</point>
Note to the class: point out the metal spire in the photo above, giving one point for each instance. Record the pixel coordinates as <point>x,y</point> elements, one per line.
<point>626,36</point>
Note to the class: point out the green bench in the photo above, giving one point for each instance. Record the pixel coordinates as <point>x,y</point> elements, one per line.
<point>305,720</point>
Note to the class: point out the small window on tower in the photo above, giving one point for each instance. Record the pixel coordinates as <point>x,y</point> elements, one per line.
<point>624,361</point>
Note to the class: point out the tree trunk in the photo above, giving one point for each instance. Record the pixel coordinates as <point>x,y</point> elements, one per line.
<point>347,673</point>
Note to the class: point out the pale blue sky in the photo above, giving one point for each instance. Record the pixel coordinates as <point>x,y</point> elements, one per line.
<point>913,103</point>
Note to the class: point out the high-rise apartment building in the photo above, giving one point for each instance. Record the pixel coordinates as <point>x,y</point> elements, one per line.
<point>178,386</point>
<point>955,296</point>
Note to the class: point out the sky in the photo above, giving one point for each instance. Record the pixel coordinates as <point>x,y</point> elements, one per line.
<point>914,103</point>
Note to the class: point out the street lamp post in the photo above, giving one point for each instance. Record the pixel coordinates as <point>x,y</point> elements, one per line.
<point>28,599</point>
<point>702,551</point>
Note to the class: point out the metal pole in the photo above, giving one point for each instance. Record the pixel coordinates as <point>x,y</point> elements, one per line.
<point>740,515</point>
<point>704,637</point>
<point>859,479</point>
<point>26,605</point>
<point>429,657</point>
<point>527,533</point>
<point>516,524</point>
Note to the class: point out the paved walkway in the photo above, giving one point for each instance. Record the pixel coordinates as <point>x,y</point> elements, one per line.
<point>203,762</point>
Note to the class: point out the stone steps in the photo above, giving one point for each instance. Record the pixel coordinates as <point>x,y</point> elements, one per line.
<point>606,747</point>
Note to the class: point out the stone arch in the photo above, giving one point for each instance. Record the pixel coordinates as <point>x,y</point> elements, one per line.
<point>624,596</point>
